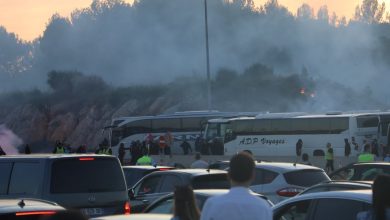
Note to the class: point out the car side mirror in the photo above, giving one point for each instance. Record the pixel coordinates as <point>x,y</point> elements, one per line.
<point>131,193</point>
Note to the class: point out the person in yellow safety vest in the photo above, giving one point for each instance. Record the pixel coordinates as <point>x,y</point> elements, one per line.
<point>59,149</point>
<point>366,156</point>
<point>329,158</point>
<point>145,159</point>
<point>105,150</point>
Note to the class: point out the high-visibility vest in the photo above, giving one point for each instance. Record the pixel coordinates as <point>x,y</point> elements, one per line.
<point>60,150</point>
<point>366,157</point>
<point>104,151</point>
<point>161,142</point>
<point>145,160</point>
<point>328,156</point>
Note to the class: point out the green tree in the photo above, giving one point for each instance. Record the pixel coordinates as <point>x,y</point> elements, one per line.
<point>305,12</point>
<point>323,14</point>
<point>371,11</point>
<point>62,81</point>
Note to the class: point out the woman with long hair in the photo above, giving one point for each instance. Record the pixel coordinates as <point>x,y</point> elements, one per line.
<point>381,197</point>
<point>185,207</point>
<point>380,200</point>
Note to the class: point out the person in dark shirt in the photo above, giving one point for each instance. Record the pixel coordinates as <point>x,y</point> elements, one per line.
<point>186,146</point>
<point>2,152</point>
<point>82,149</point>
<point>27,149</point>
<point>121,153</point>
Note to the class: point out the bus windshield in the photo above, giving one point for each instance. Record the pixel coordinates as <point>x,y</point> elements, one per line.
<point>212,131</point>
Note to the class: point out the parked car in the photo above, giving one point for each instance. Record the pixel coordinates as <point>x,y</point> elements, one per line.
<point>361,171</point>
<point>338,185</point>
<point>279,181</point>
<point>164,205</point>
<point>94,184</point>
<point>27,209</point>
<point>220,165</point>
<point>136,217</point>
<point>161,183</point>
<point>343,205</point>
<point>134,173</point>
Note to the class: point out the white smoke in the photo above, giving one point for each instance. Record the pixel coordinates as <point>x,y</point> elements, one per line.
<point>9,140</point>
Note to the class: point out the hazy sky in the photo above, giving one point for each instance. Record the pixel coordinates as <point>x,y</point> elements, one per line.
<point>28,18</point>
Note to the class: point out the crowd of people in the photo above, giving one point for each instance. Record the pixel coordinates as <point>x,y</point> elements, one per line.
<point>369,152</point>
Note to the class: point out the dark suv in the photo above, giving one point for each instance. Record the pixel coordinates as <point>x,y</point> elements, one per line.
<point>161,183</point>
<point>93,184</point>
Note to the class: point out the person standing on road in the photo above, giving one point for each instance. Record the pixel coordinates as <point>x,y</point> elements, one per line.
<point>169,143</point>
<point>185,207</point>
<point>186,147</point>
<point>2,152</point>
<point>59,149</point>
<point>305,159</point>
<point>199,163</point>
<point>366,156</point>
<point>347,147</point>
<point>238,203</point>
<point>104,149</point>
<point>121,153</point>
<point>162,144</point>
<point>145,159</point>
<point>329,157</point>
<point>387,158</point>
<point>82,149</point>
<point>298,147</point>
<point>27,149</point>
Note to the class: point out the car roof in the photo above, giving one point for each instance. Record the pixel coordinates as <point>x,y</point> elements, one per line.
<point>371,163</point>
<point>341,183</point>
<point>26,204</point>
<point>142,216</point>
<point>210,192</point>
<point>52,156</point>
<point>147,167</point>
<point>221,161</point>
<point>359,195</point>
<point>192,172</point>
<point>360,164</point>
<point>283,167</point>
<point>204,192</point>
<point>347,182</point>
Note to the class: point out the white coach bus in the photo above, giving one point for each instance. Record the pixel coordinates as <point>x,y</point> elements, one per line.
<point>180,124</point>
<point>276,134</point>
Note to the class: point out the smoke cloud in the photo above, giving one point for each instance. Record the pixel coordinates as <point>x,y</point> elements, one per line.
<point>9,141</point>
<point>157,41</point>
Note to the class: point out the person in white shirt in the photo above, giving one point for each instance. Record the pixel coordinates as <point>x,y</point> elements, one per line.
<point>198,163</point>
<point>238,203</point>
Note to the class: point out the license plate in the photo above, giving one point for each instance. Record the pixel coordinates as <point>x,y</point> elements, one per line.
<point>92,211</point>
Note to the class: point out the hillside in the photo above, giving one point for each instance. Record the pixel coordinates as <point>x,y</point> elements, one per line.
<point>77,107</point>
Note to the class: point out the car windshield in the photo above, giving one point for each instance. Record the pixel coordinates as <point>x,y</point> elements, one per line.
<point>86,176</point>
<point>133,175</point>
<point>305,178</point>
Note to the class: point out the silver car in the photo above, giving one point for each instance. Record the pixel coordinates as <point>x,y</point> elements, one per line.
<point>279,181</point>
<point>343,205</point>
